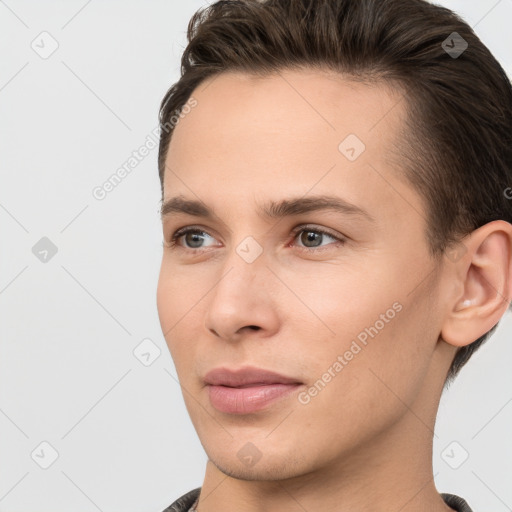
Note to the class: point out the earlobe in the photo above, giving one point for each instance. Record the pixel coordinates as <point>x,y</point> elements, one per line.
<point>485,277</point>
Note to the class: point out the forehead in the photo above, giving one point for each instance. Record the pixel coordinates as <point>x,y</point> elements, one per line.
<point>288,132</point>
<point>311,95</point>
<point>237,111</point>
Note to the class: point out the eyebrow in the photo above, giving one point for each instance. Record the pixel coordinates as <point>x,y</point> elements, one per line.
<point>272,209</point>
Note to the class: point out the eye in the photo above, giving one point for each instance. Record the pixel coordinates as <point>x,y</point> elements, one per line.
<point>196,237</point>
<point>311,237</point>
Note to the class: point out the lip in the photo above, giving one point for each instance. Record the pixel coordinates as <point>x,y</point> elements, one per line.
<point>247,390</point>
<point>246,376</point>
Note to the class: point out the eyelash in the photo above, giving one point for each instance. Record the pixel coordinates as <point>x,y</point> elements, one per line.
<point>173,243</point>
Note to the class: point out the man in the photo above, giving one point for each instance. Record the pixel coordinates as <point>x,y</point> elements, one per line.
<point>337,243</point>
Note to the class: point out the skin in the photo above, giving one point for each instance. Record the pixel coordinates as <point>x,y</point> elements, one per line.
<point>364,443</point>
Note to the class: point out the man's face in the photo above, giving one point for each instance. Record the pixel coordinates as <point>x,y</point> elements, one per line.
<point>355,322</point>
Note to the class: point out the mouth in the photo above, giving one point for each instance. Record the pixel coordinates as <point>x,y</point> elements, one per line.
<point>252,385</point>
<point>249,398</point>
<point>246,376</point>
<point>247,390</point>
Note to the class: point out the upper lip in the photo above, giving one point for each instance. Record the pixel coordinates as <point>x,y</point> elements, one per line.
<point>245,376</point>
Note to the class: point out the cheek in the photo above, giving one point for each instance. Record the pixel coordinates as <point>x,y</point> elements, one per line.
<point>165,299</point>
<point>170,305</point>
<point>374,338</point>
<point>372,391</point>
<point>178,292</point>
<point>392,362</point>
<point>340,299</point>
<point>181,313</point>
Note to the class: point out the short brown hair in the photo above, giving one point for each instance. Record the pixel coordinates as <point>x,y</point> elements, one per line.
<point>458,138</point>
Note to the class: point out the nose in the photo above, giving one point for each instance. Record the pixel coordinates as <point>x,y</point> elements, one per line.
<point>243,301</point>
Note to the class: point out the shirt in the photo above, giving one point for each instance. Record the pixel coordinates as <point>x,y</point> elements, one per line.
<point>189,501</point>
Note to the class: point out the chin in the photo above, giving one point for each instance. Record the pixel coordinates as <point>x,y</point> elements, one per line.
<point>265,472</point>
<point>267,467</point>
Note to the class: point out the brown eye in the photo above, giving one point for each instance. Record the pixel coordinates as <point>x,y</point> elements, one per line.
<point>193,239</point>
<point>312,238</point>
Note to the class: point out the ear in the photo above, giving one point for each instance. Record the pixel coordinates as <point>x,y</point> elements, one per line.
<point>481,269</point>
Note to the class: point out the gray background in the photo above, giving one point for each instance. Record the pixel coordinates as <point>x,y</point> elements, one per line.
<point>69,326</point>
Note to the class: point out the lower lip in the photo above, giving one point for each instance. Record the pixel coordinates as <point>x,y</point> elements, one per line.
<point>247,400</point>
